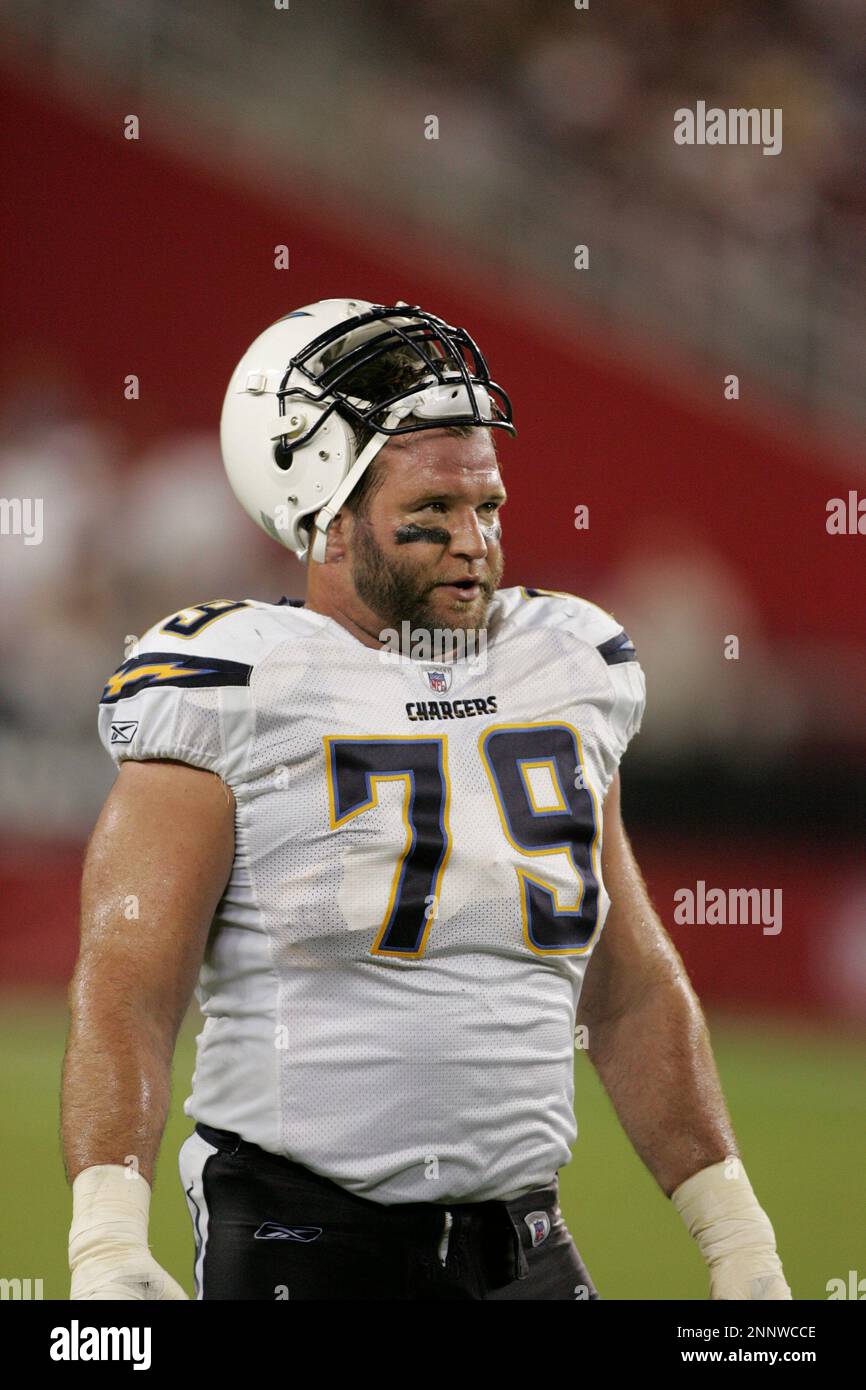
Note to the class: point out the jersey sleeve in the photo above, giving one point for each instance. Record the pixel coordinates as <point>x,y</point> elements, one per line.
<point>179,699</point>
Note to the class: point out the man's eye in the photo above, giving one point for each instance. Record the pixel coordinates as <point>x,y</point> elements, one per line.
<point>490,506</point>
<point>432,506</point>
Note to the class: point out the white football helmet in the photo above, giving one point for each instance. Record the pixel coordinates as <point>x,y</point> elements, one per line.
<point>285,433</point>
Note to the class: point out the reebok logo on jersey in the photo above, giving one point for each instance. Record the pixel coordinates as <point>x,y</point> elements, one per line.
<point>272,1230</point>
<point>450,709</point>
<point>124,733</point>
<point>539,1226</point>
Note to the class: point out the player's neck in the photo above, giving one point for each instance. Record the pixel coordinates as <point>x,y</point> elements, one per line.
<point>364,626</point>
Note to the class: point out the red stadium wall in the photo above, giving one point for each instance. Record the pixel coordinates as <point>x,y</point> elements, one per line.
<point>120,258</point>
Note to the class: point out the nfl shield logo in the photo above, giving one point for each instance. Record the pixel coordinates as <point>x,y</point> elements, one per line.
<point>539,1226</point>
<point>440,681</point>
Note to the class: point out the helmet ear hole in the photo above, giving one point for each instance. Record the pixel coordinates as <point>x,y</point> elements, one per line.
<point>283,455</point>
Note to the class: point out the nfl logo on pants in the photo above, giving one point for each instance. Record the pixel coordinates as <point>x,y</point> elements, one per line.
<point>539,1226</point>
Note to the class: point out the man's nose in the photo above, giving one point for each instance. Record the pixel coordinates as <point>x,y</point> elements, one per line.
<point>467,537</point>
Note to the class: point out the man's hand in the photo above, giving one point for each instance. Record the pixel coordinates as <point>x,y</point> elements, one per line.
<point>108,1253</point>
<point>733,1233</point>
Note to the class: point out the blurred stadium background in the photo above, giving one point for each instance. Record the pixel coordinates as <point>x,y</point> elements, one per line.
<point>305,127</point>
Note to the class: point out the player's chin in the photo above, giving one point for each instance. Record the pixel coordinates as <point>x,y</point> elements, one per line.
<point>458,609</point>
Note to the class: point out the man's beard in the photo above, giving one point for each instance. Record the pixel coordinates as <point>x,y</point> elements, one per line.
<point>397,596</point>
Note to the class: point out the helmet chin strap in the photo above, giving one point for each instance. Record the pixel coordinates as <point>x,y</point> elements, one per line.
<point>327,513</point>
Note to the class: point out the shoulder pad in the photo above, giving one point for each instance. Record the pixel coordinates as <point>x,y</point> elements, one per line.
<point>209,644</point>
<point>588,621</point>
<point>240,629</point>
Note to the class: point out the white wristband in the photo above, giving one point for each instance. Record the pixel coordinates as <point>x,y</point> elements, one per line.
<point>108,1207</point>
<point>732,1231</point>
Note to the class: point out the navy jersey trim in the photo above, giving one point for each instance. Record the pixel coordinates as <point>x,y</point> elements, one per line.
<point>150,670</point>
<point>292,602</point>
<point>617,649</point>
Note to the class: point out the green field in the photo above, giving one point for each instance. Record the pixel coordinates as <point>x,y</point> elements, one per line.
<point>796,1098</point>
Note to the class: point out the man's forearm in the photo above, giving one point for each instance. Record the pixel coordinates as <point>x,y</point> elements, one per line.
<point>655,1061</point>
<point>116,1089</point>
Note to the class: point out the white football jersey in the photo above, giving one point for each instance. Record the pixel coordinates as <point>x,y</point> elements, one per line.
<point>391,979</point>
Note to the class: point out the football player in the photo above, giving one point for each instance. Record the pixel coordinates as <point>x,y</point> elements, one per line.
<point>379,833</point>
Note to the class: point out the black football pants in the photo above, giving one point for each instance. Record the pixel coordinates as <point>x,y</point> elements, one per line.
<point>268,1228</point>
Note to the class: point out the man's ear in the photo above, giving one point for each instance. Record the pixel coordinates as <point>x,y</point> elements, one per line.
<point>339,531</point>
